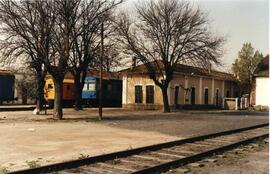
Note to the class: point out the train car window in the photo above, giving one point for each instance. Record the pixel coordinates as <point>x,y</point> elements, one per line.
<point>50,86</point>
<point>138,94</point>
<point>85,87</point>
<point>150,94</point>
<point>92,87</point>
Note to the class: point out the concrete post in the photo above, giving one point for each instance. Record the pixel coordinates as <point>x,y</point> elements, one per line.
<point>213,91</point>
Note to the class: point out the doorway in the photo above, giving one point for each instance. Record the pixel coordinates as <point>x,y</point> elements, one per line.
<point>206,96</point>
<point>192,95</point>
<point>176,95</point>
<point>217,96</point>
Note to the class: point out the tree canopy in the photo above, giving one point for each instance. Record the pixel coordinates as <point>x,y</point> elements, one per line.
<point>166,33</point>
<point>246,63</point>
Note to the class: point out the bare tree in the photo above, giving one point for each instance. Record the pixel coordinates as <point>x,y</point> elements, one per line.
<point>112,58</point>
<point>27,26</point>
<point>86,39</point>
<point>61,41</point>
<point>166,33</point>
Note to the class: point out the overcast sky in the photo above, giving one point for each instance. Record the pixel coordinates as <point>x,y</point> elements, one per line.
<point>241,20</point>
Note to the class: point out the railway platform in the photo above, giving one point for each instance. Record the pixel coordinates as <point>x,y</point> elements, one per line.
<point>17,107</point>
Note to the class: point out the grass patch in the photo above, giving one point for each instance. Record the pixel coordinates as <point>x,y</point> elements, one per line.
<point>33,163</point>
<point>83,156</point>
<point>3,170</point>
<point>196,148</point>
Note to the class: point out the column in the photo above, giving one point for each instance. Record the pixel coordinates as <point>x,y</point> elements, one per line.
<point>169,93</point>
<point>200,91</point>
<point>124,91</point>
<point>185,91</point>
<point>213,91</point>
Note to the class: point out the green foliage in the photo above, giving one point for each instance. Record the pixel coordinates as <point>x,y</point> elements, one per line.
<point>246,63</point>
<point>83,156</point>
<point>33,163</point>
<point>3,170</point>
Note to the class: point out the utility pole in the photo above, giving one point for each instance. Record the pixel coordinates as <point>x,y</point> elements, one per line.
<point>100,71</point>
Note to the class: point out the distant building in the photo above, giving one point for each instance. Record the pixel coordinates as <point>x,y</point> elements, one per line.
<point>7,80</point>
<point>260,94</point>
<point>191,86</point>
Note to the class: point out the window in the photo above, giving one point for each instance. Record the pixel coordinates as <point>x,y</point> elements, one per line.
<point>228,94</point>
<point>217,97</point>
<point>68,87</point>
<point>138,94</point>
<point>192,95</point>
<point>91,87</point>
<point>206,96</point>
<point>50,86</point>
<point>150,94</point>
<point>85,87</point>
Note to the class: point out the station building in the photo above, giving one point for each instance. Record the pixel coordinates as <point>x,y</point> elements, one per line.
<point>191,87</point>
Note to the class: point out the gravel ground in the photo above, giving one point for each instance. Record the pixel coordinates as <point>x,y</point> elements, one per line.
<point>249,161</point>
<point>178,123</point>
<point>28,139</point>
<point>187,124</point>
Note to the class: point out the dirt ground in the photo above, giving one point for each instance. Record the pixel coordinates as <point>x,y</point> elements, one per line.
<point>29,140</point>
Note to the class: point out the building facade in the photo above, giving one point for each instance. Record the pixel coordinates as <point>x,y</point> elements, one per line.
<point>191,86</point>
<point>260,94</point>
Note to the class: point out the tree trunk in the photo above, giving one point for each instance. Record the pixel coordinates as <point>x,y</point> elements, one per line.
<point>78,93</point>
<point>249,92</point>
<point>58,94</point>
<point>24,94</point>
<point>166,107</point>
<point>40,91</point>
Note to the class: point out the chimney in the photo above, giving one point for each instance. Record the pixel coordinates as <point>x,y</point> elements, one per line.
<point>209,68</point>
<point>134,62</point>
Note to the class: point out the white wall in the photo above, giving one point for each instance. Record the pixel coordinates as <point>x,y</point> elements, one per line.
<point>262,91</point>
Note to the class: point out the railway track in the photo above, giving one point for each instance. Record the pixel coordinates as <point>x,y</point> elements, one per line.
<point>158,158</point>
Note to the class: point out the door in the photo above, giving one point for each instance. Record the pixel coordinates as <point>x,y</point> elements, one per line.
<point>150,94</point>
<point>193,96</point>
<point>217,94</point>
<point>176,94</point>
<point>206,96</point>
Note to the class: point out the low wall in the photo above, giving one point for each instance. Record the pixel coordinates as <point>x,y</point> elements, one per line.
<point>143,106</point>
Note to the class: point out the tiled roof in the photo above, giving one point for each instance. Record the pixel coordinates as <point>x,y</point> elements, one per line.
<point>185,70</point>
<point>5,72</point>
<point>105,74</point>
<point>95,73</point>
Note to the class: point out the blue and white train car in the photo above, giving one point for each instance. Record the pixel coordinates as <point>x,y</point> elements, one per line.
<point>89,92</point>
<point>112,92</point>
